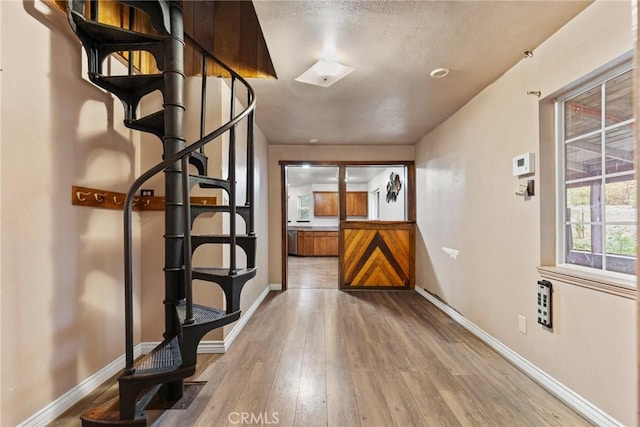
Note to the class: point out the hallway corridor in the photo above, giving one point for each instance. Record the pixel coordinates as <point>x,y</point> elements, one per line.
<point>321,357</point>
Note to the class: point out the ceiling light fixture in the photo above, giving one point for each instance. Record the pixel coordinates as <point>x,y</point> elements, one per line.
<point>324,73</point>
<point>439,73</point>
<point>314,140</point>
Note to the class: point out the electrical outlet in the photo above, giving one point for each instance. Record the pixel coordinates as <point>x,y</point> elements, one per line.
<point>146,193</point>
<point>522,324</point>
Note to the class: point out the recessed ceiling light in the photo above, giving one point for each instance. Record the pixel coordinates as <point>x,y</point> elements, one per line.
<point>439,73</point>
<point>314,140</point>
<point>324,73</point>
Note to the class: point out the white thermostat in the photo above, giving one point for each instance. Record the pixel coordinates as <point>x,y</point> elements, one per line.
<point>523,164</point>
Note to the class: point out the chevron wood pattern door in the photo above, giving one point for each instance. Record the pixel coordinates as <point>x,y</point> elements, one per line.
<point>378,255</point>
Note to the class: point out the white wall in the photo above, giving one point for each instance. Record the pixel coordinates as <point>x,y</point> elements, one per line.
<point>390,210</point>
<point>62,270</point>
<point>257,285</point>
<point>466,202</point>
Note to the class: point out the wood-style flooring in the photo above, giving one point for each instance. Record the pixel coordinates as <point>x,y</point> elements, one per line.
<point>312,272</point>
<point>321,357</point>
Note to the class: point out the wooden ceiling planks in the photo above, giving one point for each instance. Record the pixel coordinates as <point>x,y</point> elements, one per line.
<point>230,30</point>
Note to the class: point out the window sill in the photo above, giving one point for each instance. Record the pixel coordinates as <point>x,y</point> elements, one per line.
<point>615,286</point>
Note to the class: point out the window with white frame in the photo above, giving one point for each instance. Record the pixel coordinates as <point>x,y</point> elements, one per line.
<point>304,208</point>
<point>597,197</point>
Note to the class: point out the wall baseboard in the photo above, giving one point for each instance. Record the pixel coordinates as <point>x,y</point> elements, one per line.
<point>73,396</point>
<point>562,392</point>
<point>275,286</point>
<point>231,336</point>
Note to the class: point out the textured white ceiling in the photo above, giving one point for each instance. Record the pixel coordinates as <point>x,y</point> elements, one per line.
<point>299,175</point>
<point>394,45</point>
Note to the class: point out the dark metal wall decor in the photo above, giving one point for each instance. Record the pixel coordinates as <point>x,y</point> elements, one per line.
<point>393,187</point>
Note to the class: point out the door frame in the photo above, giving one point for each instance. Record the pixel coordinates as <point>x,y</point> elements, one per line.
<point>342,194</point>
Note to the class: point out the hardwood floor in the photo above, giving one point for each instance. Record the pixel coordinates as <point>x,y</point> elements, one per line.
<point>312,272</point>
<point>321,357</point>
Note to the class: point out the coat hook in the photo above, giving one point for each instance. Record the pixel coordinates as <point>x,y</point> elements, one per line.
<point>79,195</point>
<point>534,92</point>
<point>99,197</point>
<point>528,54</point>
<point>115,201</point>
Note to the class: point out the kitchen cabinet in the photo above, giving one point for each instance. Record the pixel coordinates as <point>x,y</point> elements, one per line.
<point>325,203</point>
<point>317,243</point>
<point>357,203</point>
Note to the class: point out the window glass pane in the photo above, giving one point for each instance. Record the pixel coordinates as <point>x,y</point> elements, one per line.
<point>583,158</point>
<point>621,199</point>
<point>618,107</point>
<point>304,207</point>
<point>578,202</point>
<point>621,264</point>
<point>583,202</point>
<point>619,149</point>
<point>579,238</point>
<point>622,240</point>
<point>580,250</point>
<point>583,113</point>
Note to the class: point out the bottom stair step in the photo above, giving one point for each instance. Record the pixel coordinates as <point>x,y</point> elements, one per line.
<point>205,319</point>
<point>108,413</point>
<point>164,358</point>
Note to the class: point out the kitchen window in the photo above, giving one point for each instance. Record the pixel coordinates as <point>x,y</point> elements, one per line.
<point>304,208</point>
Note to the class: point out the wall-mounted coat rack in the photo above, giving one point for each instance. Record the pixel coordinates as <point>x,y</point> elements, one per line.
<point>84,196</point>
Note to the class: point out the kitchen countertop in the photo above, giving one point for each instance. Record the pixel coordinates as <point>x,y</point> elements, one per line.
<point>312,228</point>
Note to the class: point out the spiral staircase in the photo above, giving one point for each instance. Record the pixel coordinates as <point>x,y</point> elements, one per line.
<point>162,372</point>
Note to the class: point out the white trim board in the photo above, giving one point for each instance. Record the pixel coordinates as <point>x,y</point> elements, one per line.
<point>73,396</point>
<point>578,403</point>
<point>275,286</point>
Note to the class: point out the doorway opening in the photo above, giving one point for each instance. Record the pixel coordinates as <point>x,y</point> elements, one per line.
<point>312,226</point>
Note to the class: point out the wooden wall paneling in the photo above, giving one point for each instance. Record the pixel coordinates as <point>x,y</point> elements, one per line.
<point>378,255</point>
<point>188,14</point>
<point>410,192</point>
<point>265,66</point>
<point>226,43</point>
<point>205,33</point>
<point>249,40</point>
<point>342,191</point>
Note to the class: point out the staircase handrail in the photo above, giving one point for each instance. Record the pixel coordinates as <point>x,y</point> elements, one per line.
<point>144,177</point>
